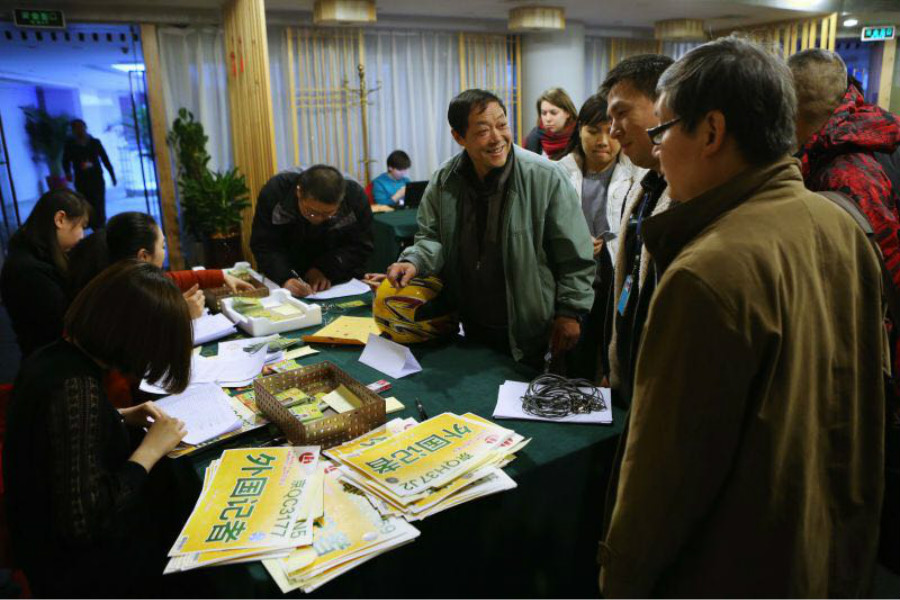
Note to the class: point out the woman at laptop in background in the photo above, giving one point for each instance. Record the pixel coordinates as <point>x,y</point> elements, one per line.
<point>389,188</point>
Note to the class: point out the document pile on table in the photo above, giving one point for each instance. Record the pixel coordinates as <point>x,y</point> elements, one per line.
<point>255,503</point>
<point>415,470</point>
<point>348,532</point>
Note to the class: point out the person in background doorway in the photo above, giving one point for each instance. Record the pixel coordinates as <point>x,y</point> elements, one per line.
<point>556,116</point>
<point>603,177</point>
<point>389,188</point>
<point>34,280</point>
<point>83,154</point>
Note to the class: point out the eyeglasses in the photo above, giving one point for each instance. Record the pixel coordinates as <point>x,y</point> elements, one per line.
<point>656,133</point>
<point>311,215</point>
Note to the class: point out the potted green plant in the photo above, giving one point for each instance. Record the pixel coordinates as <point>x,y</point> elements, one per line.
<point>211,202</point>
<point>47,136</point>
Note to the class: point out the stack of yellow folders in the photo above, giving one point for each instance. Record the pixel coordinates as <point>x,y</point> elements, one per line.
<point>416,470</point>
<point>256,503</point>
<point>348,532</point>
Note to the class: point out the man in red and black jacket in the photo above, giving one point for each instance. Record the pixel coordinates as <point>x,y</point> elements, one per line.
<point>843,144</point>
<point>311,229</point>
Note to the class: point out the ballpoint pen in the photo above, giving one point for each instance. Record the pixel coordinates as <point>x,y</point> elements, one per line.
<point>421,408</point>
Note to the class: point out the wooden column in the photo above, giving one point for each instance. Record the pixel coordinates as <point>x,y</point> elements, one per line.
<point>888,58</point>
<point>250,99</point>
<point>159,127</point>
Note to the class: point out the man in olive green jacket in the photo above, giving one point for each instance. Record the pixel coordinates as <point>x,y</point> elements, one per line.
<point>752,462</point>
<point>538,263</point>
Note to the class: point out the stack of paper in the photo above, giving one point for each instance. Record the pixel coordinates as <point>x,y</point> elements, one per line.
<point>205,410</point>
<point>350,532</point>
<point>415,470</point>
<point>212,327</point>
<point>228,370</point>
<point>509,406</point>
<point>255,503</point>
<point>354,287</point>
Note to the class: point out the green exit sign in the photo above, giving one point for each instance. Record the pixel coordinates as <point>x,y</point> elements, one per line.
<point>45,19</point>
<point>879,33</point>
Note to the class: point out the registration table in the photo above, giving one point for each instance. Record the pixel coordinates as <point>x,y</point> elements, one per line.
<point>539,539</point>
<point>391,232</point>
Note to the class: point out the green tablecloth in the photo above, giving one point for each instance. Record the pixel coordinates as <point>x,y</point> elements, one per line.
<point>539,539</point>
<point>391,232</point>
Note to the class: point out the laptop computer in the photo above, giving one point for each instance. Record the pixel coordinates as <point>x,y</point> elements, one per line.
<point>414,192</point>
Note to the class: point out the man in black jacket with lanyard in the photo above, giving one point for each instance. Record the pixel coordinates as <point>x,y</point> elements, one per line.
<point>630,91</point>
<point>311,229</point>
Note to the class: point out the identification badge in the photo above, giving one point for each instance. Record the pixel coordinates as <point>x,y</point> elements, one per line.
<point>626,292</point>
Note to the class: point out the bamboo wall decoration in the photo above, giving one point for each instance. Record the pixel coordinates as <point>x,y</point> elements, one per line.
<point>330,99</point>
<point>786,38</point>
<point>250,99</point>
<point>493,62</point>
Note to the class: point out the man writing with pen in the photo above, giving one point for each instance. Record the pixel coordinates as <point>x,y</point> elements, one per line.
<point>312,229</point>
<point>503,228</point>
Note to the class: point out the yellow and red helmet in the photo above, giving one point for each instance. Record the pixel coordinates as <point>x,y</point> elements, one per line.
<point>415,313</point>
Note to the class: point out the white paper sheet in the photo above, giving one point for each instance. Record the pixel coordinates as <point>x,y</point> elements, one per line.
<point>509,406</point>
<point>354,287</point>
<point>205,410</point>
<point>212,327</point>
<point>231,370</point>
<point>389,357</point>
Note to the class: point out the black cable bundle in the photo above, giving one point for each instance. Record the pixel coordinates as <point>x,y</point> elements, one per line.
<point>553,396</point>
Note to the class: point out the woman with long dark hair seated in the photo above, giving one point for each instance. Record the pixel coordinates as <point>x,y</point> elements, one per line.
<point>136,235</point>
<point>75,483</point>
<point>33,281</point>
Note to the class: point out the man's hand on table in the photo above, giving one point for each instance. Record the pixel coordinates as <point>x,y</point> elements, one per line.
<point>298,287</point>
<point>317,280</point>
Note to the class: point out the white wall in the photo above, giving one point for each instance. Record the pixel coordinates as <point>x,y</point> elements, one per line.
<point>554,59</point>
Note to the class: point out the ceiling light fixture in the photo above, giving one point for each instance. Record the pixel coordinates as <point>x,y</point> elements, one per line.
<point>537,18</point>
<point>680,30</point>
<point>344,12</point>
<point>128,67</point>
<point>851,22</point>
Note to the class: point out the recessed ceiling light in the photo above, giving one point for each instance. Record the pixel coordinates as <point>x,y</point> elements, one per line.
<point>851,22</point>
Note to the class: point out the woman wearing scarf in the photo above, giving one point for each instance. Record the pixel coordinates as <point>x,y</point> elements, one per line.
<point>555,124</point>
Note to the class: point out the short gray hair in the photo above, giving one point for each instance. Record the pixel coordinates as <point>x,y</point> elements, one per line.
<point>750,86</point>
<point>820,77</point>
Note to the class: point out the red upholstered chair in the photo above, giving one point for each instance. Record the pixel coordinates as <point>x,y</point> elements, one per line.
<point>369,193</point>
<point>6,558</point>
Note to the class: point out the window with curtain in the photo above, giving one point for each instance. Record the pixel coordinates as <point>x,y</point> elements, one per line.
<point>195,77</point>
<point>411,76</point>
<point>417,74</point>
<point>600,53</point>
<point>493,62</point>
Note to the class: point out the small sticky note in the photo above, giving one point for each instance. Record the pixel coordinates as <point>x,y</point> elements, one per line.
<point>392,405</point>
<point>341,399</point>
<point>299,353</point>
<point>352,304</point>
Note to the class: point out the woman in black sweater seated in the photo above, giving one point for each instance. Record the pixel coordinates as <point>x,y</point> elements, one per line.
<point>77,502</point>
<point>33,283</point>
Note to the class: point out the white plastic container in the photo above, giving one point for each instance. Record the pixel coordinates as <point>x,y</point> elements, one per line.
<point>311,314</point>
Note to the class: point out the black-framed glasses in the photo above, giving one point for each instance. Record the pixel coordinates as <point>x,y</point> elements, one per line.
<point>656,133</point>
<point>311,215</point>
